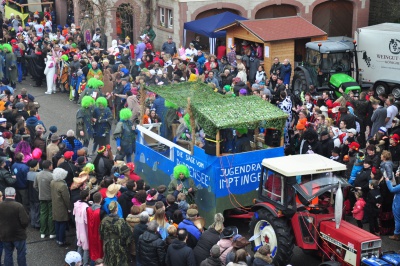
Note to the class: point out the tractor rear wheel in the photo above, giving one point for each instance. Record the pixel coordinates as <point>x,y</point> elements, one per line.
<point>268,229</point>
<point>299,83</point>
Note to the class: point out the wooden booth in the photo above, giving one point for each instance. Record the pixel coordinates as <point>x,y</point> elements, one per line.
<point>283,37</point>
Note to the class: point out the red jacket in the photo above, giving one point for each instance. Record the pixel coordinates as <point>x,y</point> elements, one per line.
<point>95,242</point>
<point>358,209</point>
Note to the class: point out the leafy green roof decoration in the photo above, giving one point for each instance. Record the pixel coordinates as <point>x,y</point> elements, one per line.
<point>214,111</point>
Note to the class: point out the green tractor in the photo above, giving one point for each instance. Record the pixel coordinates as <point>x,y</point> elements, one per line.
<point>328,66</point>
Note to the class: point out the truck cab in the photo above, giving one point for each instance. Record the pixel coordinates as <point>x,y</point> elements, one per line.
<point>300,202</point>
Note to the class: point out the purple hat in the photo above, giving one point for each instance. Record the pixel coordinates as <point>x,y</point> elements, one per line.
<point>243,91</point>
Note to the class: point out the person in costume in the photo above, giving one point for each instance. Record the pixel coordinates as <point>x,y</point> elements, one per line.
<point>95,72</point>
<point>125,134</point>
<point>77,86</point>
<point>84,127</point>
<point>92,89</point>
<point>182,183</point>
<point>103,163</point>
<point>102,118</point>
<point>117,236</point>
<point>63,69</point>
<point>50,72</point>
<point>11,72</point>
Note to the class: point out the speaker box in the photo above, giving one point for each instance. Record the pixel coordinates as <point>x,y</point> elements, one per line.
<point>272,137</point>
<point>210,146</point>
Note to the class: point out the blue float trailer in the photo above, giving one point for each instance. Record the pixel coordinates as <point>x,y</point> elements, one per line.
<point>226,183</point>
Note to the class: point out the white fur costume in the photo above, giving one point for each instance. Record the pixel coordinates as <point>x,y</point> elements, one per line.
<point>50,72</point>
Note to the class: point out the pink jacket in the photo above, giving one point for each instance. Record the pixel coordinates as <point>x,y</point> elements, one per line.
<point>358,209</point>
<point>81,224</point>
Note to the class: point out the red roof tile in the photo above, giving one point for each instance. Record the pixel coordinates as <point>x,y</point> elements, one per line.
<point>275,29</point>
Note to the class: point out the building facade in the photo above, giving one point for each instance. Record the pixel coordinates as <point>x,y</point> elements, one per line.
<point>337,18</point>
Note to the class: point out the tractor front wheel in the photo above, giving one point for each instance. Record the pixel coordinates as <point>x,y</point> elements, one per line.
<point>299,83</point>
<point>268,229</point>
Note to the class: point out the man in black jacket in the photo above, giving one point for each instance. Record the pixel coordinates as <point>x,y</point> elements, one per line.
<point>178,253</point>
<point>151,248</point>
<point>125,200</point>
<point>13,223</point>
<point>138,230</point>
<point>326,144</point>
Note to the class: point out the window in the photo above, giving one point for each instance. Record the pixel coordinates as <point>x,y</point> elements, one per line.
<point>170,19</point>
<point>166,17</point>
<point>162,16</point>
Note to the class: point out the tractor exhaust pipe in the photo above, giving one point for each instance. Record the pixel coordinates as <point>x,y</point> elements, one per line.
<point>338,206</point>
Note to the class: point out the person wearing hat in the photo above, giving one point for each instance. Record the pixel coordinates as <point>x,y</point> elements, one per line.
<point>111,195</point>
<point>149,32</point>
<point>183,183</point>
<point>73,258</point>
<point>194,232</point>
<point>69,166</point>
<point>13,223</point>
<point>262,257</point>
<point>52,148</point>
<point>116,235</point>
<point>209,238</point>
<point>61,204</point>
<point>125,135</point>
<point>239,242</point>
<point>212,257</point>
<point>139,49</point>
<point>226,242</point>
<point>102,163</point>
<point>101,120</point>
<point>394,149</point>
<point>169,47</point>
<point>10,63</point>
<point>84,126</point>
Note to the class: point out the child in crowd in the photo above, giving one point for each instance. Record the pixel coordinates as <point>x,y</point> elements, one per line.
<point>373,205</point>
<point>183,206</point>
<point>358,209</point>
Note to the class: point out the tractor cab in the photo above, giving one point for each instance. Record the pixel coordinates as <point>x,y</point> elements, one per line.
<point>328,66</point>
<point>292,189</point>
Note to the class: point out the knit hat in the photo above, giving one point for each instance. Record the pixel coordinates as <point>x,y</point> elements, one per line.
<point>192,212</point>
<point>243,92</point>
<point>101,149</point>
<point>53,129</point>
<point>395,138</point>
<point>227,88</point>
<point>72,257</point>
<point>354,146</point>
<point>68,155</point>
<point>124,169</point>
<point>215,251</point>
<point>383,130</point>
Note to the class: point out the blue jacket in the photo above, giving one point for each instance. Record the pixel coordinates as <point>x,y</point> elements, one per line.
<point>356,169</point>
<point>20,170</point>
<point>190,227</point>
<point>200,61</point>
<point>107,201</point>
<point>77,146</point>
<point>286,71</point>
